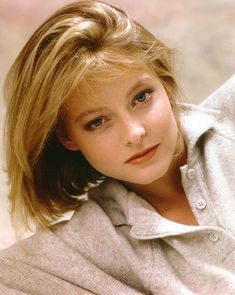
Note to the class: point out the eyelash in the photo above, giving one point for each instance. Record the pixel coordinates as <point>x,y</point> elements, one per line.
<point>91,125</point>
<point>148,92</point>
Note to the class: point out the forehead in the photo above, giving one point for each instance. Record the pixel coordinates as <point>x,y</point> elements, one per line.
<point>113,79</point>
<point>98,92</point>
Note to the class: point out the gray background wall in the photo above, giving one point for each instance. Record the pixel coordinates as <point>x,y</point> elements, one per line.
<point>202,33</point>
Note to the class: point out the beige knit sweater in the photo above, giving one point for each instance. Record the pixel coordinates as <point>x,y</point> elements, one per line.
<point>117,244</point>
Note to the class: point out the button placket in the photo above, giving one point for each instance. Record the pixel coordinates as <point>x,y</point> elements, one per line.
<point>196,190</point>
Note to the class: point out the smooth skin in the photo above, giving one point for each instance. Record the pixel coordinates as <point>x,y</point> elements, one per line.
<point>126,129</point>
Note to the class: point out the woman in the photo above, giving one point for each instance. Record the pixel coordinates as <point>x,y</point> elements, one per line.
<point>92,109</point>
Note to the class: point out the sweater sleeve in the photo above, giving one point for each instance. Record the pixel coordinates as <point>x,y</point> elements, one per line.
<point>69,258</point>
<point>9,291</point>
<point>40,265</point>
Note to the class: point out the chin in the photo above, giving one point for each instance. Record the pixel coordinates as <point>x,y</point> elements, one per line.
<point>148,177</point>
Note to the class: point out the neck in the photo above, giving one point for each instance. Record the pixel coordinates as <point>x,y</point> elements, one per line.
<point>167,195</point>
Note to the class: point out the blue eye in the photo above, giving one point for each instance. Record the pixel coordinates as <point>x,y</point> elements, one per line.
<point>94,124</point>
<point>97,122</point>
<point>143,96</point>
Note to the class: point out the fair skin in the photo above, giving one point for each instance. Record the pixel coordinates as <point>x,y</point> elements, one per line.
<point>126,129</point>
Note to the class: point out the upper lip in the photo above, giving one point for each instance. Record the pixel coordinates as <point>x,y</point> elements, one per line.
<point>140,154</point>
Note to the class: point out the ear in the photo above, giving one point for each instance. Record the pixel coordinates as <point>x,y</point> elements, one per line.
<point>65,140</point>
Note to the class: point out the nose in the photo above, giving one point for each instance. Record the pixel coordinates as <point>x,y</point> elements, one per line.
<point>132,131</point>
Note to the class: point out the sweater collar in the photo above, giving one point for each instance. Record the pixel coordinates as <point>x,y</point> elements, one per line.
<point>127,208</point>
<point>196,121</point>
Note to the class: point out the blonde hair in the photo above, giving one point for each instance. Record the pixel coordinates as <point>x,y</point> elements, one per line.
<point>81,39</point>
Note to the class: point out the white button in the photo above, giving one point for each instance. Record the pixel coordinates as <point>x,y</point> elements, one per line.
<point>201,204</point>
<point>191,174</point>
<point>214,237</point>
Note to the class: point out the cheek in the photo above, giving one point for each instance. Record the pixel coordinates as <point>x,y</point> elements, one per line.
<point>101,157</point>
<point>96,150</point>
<point>171,127</point>
<point>161,120</point>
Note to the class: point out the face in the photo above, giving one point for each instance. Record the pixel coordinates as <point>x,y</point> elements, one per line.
<point>124,127</point>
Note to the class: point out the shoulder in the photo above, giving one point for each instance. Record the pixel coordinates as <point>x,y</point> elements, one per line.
<point>223,99</point>
<point>44,241</point>
<point>51,257</point>
<point>67,248</point>
<point>215,114</point>
<point>214,118</point>
<point>71,256</point>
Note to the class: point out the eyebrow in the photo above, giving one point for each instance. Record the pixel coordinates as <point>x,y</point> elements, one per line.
<point>100,109</point>
<point>89,112</point>
<point>137,85</point>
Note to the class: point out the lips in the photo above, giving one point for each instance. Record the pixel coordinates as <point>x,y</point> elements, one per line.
<point>142,156</point>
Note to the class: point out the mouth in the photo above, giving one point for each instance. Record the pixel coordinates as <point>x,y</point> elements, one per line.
<point>143,156</point>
